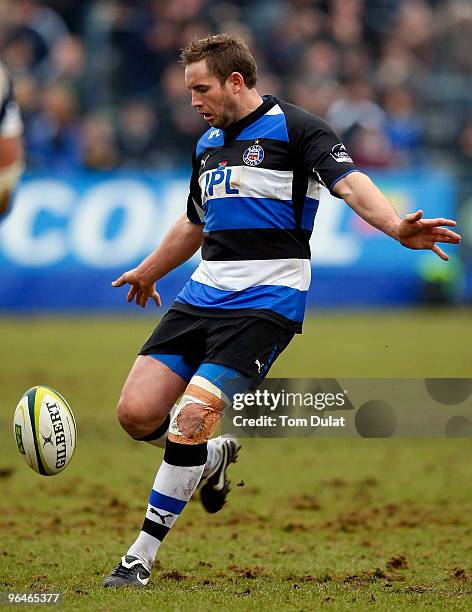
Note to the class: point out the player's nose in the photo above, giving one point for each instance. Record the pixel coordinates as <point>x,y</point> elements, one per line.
<point>196,102</point>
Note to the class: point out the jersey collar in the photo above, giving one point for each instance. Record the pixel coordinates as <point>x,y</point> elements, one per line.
<point>236,128</point>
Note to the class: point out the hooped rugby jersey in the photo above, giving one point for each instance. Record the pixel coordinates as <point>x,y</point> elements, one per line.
<point>255,188</point>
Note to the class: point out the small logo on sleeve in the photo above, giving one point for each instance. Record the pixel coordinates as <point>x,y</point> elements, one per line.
<point>339,154</point>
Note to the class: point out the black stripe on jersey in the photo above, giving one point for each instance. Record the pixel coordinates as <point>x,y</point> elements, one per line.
<point>156,530</point>
<point>299,189</point>
<point>242,244</point>
<point>276,155</point>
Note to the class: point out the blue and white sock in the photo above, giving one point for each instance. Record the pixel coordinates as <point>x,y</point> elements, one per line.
<point>177,478</point>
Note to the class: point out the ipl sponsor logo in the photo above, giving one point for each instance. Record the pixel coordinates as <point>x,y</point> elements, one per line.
<point>217,178</point>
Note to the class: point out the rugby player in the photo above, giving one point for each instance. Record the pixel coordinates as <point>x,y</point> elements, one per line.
<point>11,148</point>
<point>254,192</point>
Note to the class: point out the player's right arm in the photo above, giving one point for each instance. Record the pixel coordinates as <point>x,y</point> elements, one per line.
<point>181,242</point>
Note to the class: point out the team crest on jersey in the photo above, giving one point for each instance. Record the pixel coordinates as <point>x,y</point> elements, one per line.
<point>253,155</point>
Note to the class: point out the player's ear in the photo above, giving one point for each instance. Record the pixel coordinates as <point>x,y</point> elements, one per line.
<point>236,81</point>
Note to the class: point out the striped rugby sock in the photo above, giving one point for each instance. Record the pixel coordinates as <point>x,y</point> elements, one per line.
<point>177,478</point>
<point>159,438</point>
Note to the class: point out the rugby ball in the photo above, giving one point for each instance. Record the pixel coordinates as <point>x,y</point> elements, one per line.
<point>44,430</point>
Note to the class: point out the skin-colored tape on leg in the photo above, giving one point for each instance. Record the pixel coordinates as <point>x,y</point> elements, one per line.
<point>195,424</point>
<point>205,397</point>
<point>198,415</point>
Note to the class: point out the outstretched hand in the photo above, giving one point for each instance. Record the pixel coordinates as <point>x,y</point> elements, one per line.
<point>141,289</point>
<point>414,232</point>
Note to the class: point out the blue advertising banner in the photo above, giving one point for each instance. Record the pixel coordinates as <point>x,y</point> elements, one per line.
<point>69,236</point>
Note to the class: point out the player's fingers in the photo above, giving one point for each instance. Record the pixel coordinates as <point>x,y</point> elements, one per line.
<point>413,217</point>
<point>132,292</point>
<point>439,252</point>
<point>119,282</point>
<point>438,222</point>
<point>157,298</point>
<point>138,297</point>
<point>445,235</point>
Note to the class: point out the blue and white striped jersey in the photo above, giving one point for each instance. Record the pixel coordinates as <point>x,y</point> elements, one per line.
<point>255,187</point>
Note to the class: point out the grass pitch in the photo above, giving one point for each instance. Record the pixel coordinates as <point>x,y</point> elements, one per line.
<point>310,523</point>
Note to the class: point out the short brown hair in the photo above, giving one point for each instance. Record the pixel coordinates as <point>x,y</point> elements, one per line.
<point>224,54</point>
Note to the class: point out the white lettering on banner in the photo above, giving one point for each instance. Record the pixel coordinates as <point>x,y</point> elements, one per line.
<point>18,239</point>
<point>77,224</point>
<point>329,245</point>
<point>88,231</point>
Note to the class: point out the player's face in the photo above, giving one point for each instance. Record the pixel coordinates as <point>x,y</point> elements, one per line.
<point>215,102</point>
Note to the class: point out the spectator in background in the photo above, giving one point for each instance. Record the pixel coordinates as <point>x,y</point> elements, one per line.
<point>38,27</point>
<point>360,63</point>
<point>355,108</point>
<point>138,135</point>
<point>54,134</point>
<point>98,142</point>
<point>370,147</point>
<point>67,65</point>
<point>320,62</point>
<point>402,126</point>
<point>180,127</point>
<point>464,147</point>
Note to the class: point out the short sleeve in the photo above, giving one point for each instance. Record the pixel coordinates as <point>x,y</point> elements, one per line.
<point>320,150</point>
<point>194,202</point>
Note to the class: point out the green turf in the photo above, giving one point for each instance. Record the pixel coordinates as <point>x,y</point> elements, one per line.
<point>335,524</point>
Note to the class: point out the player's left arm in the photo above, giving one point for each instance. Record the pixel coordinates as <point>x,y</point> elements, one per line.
<point>413,232</point>
<point>11,141</point>
<point>11,168</point>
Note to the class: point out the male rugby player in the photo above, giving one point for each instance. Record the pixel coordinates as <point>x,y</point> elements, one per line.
<point>254,192</point>
<point>11,150</point>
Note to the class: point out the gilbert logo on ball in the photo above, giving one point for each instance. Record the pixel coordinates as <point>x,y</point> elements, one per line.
<point>44,430</point>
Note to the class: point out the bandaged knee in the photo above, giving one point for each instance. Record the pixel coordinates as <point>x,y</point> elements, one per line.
<point>199,412</point>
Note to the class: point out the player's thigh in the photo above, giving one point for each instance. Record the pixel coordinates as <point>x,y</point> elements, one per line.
<point>149,392</point>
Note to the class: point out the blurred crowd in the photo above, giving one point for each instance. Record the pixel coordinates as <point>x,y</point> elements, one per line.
<point>100,86</point>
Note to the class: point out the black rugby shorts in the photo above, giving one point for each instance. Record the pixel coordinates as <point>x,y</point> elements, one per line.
<point>247,344</point>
